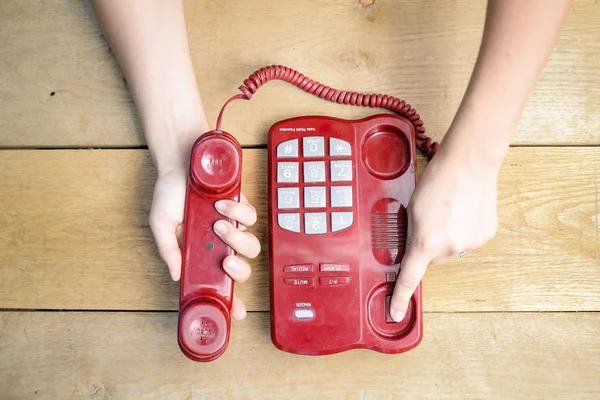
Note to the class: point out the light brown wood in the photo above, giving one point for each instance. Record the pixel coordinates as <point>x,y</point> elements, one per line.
<point>77,355</point>
<point>74,235</point>
<point>422,51</point>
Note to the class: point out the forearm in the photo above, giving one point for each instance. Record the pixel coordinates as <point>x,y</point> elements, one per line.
<point>518,38</point>
<point>149,39</point>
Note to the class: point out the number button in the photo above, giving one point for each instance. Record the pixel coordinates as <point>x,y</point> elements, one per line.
<point>341,196</point>
<point>341,220</point>
<point>341,171</point>
<point>287,172</point>
<point>339,148</point>
<point>288,149</point>
<point>288,198</point>
<point>315,223</point>
<point>314,171</point>
<point>314,197</point>
<point>289,222</point>
<point>313,146</point>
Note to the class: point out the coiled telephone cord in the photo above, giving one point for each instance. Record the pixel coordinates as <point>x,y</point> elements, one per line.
<point>251,85</point>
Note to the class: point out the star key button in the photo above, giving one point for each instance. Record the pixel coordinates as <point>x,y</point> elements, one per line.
<point>339,148</point>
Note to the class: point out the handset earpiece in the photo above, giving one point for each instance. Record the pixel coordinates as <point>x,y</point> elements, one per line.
<point>206,291</point>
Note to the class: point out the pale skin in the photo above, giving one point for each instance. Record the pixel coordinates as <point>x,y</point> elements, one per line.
<point>453,208</point>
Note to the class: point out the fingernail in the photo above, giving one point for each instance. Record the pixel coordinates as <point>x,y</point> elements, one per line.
<point>220,206</point>
<point>230,265</point>
<point>220,228</point>
<point>398,316</point>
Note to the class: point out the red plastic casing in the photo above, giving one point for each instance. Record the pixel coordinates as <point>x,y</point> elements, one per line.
<point>355,314</point>
<point>206,291</point>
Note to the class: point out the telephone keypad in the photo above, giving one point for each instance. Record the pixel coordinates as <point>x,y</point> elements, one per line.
<point>289,222</point>
<point>314,197</point>
<point>313,146</point>
<point>309,199</point>
<point>314,171</point>
<point>341,196</point>
<point>341,171</point>
<point>341,220</point>
<point>315,223</point>
<point>288,149</point>
<point>288,198</point>
<point>339,148</point>
<point>287,172</point>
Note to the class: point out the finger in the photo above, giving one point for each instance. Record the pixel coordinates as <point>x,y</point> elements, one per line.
<point>238,309</point>
<point>242,212</point>
<point>168,246</point>
<point>242,242</point>
<point>237,268</point>
<point>412,269</point>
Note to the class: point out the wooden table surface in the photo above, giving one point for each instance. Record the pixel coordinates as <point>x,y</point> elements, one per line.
<point>87,309</point>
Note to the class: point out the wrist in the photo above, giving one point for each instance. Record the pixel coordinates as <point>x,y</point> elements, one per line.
<point>475,147</point>
<point>171,137</point>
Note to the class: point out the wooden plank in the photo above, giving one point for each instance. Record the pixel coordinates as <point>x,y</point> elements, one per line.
<point>74,235</point>
<point>135,355</point>
<point>422,51</point>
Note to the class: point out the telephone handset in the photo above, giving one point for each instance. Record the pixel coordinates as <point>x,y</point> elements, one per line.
<point>337,225</point>
<point>206,291</point>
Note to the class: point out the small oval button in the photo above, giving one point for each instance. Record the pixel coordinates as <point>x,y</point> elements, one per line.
<point>304,313</point>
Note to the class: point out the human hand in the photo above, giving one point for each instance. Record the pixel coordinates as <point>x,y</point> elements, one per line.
<point>453,209</point>
<point>166,222</point>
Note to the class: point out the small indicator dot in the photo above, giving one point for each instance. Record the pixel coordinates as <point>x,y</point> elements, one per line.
<point>210,245</point>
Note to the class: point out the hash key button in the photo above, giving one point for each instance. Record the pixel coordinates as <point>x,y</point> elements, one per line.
<point>288,149</point>
<point>341,196</point>
<point>313,146</point>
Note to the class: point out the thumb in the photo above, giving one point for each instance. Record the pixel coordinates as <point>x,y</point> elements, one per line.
<point>168,246</point>
<point>412,270</point>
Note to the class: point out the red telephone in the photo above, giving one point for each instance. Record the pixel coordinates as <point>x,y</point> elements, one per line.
<point>205,290</point>
<point>337,227</point>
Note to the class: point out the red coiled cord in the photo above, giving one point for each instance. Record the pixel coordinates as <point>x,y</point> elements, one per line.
<point>424,143</point>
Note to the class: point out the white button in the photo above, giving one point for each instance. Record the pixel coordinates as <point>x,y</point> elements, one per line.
<point>288,198</point>
<point>341,196</point>
<point>313,146</point>
<point>339,148</point>
<point>314,171</point>
<point>341,220</point>
<point>289,222</point>
<point>288,149</point>
<point>314,197</point>
<point>315,223</point>
<point>341,171</point>
<point>287,172</point>
<point>304,313</point>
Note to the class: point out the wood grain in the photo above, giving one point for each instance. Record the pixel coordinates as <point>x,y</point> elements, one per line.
<point>422,51</point>
<point>115,355</point>
<point>74,235</point>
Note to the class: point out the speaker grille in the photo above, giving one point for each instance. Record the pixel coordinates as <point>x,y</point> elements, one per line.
<point>388,235</point>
